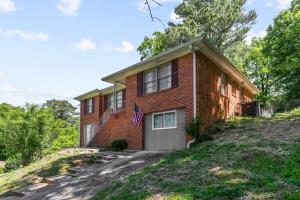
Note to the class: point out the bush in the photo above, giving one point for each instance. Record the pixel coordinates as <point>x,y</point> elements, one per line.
<point>192,127</point>
<point>13,162</point>
<point>119,144</point>
<point>1,170</point>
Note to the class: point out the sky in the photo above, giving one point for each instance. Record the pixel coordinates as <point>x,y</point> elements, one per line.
<point>61,48</point>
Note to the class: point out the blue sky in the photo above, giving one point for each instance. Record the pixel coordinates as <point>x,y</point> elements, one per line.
<point>61,48</point>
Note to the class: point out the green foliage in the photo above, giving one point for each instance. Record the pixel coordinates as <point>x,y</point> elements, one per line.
<point>27,133</point>
<point>13,162</point>
<point>282,47</point>
<point>258,67</point>
<point>192,127</point>
<point>222,23</point>
<point>119,144</point>
<point>61,109</point>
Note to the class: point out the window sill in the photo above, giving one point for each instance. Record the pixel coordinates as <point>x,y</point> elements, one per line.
<point>157,129</point>
<point>157,92</point>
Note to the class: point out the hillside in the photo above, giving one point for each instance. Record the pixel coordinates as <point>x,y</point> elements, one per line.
<point>249,159</point>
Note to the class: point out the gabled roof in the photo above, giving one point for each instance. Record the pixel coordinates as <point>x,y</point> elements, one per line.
<point>195,45</point>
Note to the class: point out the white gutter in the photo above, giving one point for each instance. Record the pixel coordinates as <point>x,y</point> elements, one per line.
<point>194,94</point>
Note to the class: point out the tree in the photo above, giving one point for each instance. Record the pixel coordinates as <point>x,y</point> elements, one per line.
<point>25,133</point>
<point>221,22</point>
<point>238,54</point>
<point>61,109</point>
<point>258,68</point>
<point>283,49</point>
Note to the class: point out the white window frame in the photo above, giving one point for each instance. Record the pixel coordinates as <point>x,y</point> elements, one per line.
<point>163,113</point>
<point>157,80</point>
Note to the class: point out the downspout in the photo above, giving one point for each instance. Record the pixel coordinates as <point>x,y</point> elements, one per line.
<point>194,93</point>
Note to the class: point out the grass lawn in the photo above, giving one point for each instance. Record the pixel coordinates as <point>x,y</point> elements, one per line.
<point>251,158</point>
<point>50,165</point>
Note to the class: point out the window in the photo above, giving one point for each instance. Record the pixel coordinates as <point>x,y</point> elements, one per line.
<point>158,79</point>
<point>89,105</point>
<point>223,84</point>
<point>164,77</point>
<point>233,86</point>
<point>164,120</point>
<point>110,101</point>
<point>150,79</point>
<point>119,100</point>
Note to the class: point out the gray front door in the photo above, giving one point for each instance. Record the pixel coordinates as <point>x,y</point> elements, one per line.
<point>165,131</point>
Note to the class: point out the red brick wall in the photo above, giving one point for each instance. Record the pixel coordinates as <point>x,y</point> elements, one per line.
<point>120,125</point>
<point>211,105</point>
<point>90,118</point>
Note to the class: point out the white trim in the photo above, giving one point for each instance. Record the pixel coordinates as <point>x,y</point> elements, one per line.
<point>165,112</point>
<point>194,85</point>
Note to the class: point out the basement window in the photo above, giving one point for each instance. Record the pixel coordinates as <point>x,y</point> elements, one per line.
<point>164,120</point>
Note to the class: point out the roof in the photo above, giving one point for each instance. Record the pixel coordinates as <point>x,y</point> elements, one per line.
<point>88,95</point>
<point>195,45</point>
<point>97,92</point>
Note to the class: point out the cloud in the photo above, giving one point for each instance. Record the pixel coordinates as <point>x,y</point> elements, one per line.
<point>23,35</point>
<point>7,89</point>
<point>142,7</point>
<point>175,18</point>
<point>269,4</point>
<point>282,4</point>
<point>68,7</point>
<point>85,44</point>
<point>125,47</point>
<point>7,6</point>
<point>252,35</point>
<point>3,76</point>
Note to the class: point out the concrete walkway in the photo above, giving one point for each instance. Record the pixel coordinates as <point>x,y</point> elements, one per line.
<point>84,182</point>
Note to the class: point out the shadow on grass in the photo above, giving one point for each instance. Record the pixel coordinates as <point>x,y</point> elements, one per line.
<point>57,167</point>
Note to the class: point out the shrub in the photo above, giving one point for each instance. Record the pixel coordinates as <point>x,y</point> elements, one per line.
<point>13,162</point>
<point>119,144</point>
<point>192,127</point>
<point>1,170</point>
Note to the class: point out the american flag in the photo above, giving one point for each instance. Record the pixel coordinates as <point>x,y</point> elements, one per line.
<point>137,115</point>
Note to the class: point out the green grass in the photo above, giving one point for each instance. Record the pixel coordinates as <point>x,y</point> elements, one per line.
<point>259,160</point>
<point>50,165</point>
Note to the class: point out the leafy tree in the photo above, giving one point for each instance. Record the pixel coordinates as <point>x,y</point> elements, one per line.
<point>283,49</point>
<point>61,109</point>
<point>221,22</point>
<point>238,54</point>
<point>25,133</point>
<point>258,70</point>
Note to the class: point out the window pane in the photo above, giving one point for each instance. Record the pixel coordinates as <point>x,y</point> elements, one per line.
<point>165,83</point>
<point>150,87</point>
<point>164,71</point>
<point>150,76</point>
<point>158,121</point>
<point>169,120</point>
<point>120,95</point>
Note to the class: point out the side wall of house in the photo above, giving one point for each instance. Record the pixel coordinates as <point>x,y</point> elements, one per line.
<point>92,118</point>
<point>120,124</point>
<point>211,105</point>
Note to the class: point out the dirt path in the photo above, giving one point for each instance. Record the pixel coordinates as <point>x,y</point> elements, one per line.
<point>84,182</point>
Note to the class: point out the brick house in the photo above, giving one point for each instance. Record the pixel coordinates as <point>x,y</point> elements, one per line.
<point>190,80</point>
